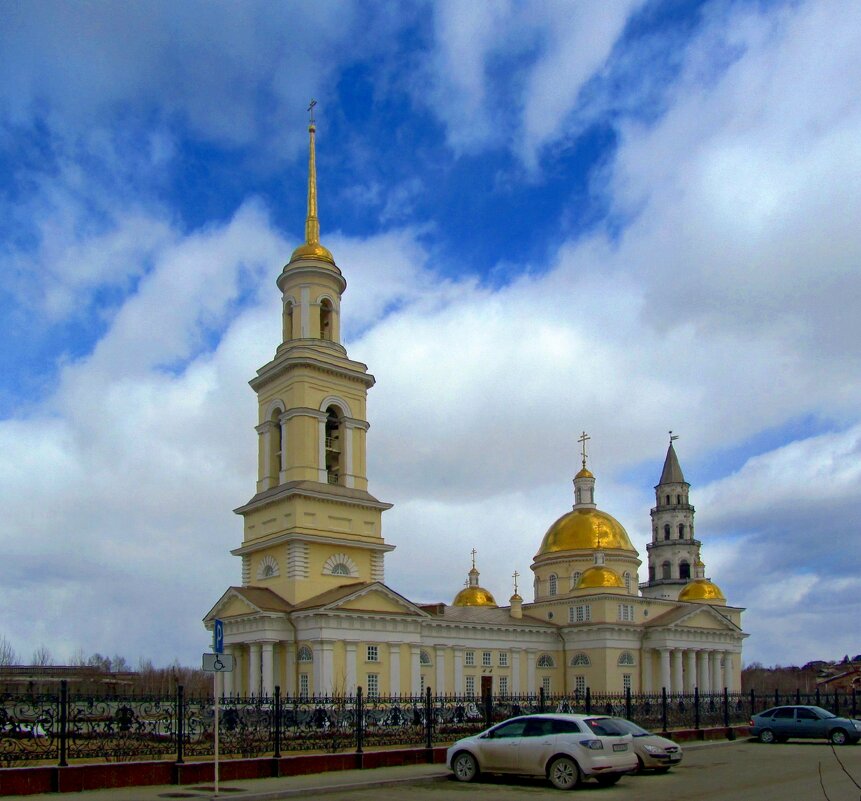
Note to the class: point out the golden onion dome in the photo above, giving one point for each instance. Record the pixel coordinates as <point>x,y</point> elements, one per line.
<point>701,590</point>
<point>584,473</point>
<point>599,577</point>
<point>312,250</point>
<point>585,529</point>
<point>474,596</point>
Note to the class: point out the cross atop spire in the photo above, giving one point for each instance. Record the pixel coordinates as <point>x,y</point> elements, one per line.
<point>673,437</point>
<point>584,438</point>
<point>311,111</point>
<point>515,575</point>
<point>473,552</point>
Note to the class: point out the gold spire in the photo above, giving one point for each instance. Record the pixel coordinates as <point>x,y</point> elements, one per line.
<point>312,249</point>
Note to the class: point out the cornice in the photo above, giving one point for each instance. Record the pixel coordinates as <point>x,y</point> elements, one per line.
<point>259,545</point>
<point>307,489</point>
<point>281,364</point>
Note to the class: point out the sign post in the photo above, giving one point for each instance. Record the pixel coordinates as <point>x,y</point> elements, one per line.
<point>217,663</point>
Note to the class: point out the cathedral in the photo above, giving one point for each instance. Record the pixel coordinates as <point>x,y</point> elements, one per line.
<point>314,615</point>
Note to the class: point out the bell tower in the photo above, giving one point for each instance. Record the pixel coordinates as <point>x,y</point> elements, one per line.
<point>311,525</point>
<point>673,551</point>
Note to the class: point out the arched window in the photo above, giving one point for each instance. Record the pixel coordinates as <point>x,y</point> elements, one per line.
<point>575,579</point>
<point>551,584</point>
<point>340,564</point>
<point>681,531</point>
<point>304,654</point>
<point>651,573</point>
<point>684,570</point>
<point>678,499</point>
<point>334,449</point>
<point>627,578</point>
<point>666,531</point>
<point>268,567</point>
<point>545,661</point>
<point>626,658</point>
<point>288,320</point>
<point>424,657</point>
<point>326,319</point>
<point>668,500</point>
<point>666,570</point>
<point>579,659</point>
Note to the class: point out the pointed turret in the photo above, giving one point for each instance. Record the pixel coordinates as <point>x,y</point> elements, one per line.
<point>672,472</point>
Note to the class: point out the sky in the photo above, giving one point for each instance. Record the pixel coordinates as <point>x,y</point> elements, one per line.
<point>620,217</point>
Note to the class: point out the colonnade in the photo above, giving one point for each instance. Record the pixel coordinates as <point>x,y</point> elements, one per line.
<point>680,670</point>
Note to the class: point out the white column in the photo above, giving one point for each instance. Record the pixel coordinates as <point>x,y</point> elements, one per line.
<point>729,671</point>
<point>283,473</point>
<point>646,669</point>
<point>440,688</point>
<point>703,671</point>
<point>690,670</point>
<point>415,670</point>
<point>266,446</point>
<point>516,683</point>
<point>715,676</point>
<point>288,650</point>
<point>327,669</point>
<point>678,673</point>
<point>352,681</point>
<point>227,677</point>
<point>395,668</point>
<point>458,668</point>
<point>268,668</point>
<point>305,301</point>
<point>349,468</point>
<point>665,669</point>
<point>321,455</point>
<point>254,668</point>
<point>530,671</point>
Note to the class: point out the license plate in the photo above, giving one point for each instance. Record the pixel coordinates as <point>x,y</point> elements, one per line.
<point>675,757</point>
<point>620,747</point>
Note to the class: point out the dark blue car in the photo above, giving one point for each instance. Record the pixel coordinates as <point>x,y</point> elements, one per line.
<point>778,724</point>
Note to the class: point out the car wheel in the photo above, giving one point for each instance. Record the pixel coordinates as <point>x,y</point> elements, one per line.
<point>767,736</point>
<point>640,766</point>
<point>608,779</point>
<point>838,737</point>
<point>464,767</point>
<point>564,773</point>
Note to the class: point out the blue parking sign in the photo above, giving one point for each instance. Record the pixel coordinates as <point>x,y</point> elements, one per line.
<point>218,637</point>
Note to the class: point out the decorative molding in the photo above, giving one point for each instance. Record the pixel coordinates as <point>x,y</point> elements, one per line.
<point>340,560</point>
<point>297,560</point>
<point>378,567</point>
<point>246,570</point>
<point>336,400</point>
<point>268,568</point>
<point>357,541</point>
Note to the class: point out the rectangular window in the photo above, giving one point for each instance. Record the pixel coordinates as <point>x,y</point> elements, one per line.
<point>580,684</point>
<point>571,612</point>
<point>373,653</point>
<point>545,683</point>
<point>470,685</point>
<point>485,659</point>
<point>373,685</point>
<point>469,658</point>
<point>583,614</point>
<point>303,685</point>
<point>626,681</point>
<point>503,658</point>
<point>626,612</point>
<point>503,685</point>
<point>423,683</point>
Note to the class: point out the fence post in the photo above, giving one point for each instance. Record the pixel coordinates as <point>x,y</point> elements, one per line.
<point>776,697</point>
<point>541,699</point>
<point>752,702</point>
<point>836,703</point>
<point>488,707</point>
<point>588,701</point>
<point>428,719</point>
<point>663,709</point>
<point>360,720</point>
<point>854,707</point>
<point>726,707</point>
<point>180,724</point>
<point>64,722</point>
<point>696,707</point>
<point>628,703</point>
<point>797,696</point>
<point>277,713</point>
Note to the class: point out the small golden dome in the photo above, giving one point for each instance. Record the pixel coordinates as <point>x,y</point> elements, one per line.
<point>312,251</point>
<point>701,590</point>
<point>585,529</point>
<point>584,473</point>
<point>474,596</point>
<point>599,576</point>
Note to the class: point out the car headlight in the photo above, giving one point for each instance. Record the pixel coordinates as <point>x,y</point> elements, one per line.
<point>653,749</point>
<point>857,724</point>
<point>595,745</point>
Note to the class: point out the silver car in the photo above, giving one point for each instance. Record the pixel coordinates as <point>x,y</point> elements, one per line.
<point>566,749</point>
<point>653,751</point>
<point>778,724</point>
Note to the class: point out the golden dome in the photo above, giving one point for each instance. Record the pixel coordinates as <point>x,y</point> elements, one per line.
<point>474,596</point>
<point>584,473</point>
<point>599,576</point>
<point>701,590</point>
<point>312,250</point>
<point>585,529</point>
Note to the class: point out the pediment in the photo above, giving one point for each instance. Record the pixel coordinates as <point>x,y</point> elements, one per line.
<point>244,601</point>
<point>694,616</point>
<point>374,597</point>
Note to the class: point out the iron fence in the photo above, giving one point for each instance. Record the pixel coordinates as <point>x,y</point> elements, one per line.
<point>58,727</point>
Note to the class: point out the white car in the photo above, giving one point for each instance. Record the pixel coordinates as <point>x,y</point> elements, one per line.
<point>562,748</point>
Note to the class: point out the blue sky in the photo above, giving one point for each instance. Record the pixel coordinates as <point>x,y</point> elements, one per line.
<point>622,217</point>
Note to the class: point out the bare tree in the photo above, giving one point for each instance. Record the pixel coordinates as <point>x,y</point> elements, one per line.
<point>7,652</point>
<point>42,656</point>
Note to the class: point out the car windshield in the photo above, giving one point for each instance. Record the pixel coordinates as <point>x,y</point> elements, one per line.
<point>823,713</point>
<point>606,726</point>
<point>632,728</point>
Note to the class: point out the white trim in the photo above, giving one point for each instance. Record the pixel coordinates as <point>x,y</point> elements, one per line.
<point>336,400</point>
<point>340,559</point>
<point>267,562</point>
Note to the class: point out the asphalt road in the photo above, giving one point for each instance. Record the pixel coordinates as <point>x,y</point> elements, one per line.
<point>724,772</point>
